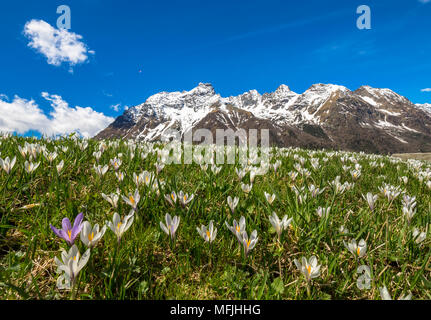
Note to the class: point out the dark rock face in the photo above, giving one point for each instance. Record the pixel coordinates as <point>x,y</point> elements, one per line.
<point>325,116</point>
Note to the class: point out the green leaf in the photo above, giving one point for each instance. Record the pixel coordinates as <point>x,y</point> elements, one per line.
<point>278,286</point>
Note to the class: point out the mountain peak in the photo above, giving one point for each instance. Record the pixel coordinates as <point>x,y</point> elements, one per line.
<point>283,93</point>
<point>388,95</point>
<point>204,89</point>
<point>327,87</point>
<point>378,90</point>
<point>283,89</point>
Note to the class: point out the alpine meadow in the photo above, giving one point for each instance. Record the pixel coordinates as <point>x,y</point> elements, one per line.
<point>214,159</point>
<point>108,219</point>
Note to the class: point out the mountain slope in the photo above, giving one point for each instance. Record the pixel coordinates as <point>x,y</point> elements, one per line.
<point>324,116</point>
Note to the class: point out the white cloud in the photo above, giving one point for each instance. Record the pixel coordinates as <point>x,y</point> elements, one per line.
<point>116,107</point>
<point>426,89</point>
<point>424,1</point>
<point>57,45</point>
<point>22,115</point>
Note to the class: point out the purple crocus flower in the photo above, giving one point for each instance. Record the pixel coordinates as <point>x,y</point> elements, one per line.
<point>68,232</point>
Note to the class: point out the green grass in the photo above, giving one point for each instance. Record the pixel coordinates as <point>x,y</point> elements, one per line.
<point>147,267</point>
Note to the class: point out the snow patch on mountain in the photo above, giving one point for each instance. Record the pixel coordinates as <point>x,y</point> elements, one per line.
<point>425,107</point>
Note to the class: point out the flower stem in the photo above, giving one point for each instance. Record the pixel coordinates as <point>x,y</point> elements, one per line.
<point>308,290</point>
<point>74,289</point>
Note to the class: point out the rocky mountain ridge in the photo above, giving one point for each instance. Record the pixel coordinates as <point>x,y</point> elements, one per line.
<point>324,116</point>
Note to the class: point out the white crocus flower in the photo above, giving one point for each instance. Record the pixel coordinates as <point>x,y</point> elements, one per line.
<point>240,173</point>
<point>51,156</point>
<point>355,174</point>
<point>215,169</point>
<point>253,172</point>
<point>112,199</point>
<point>82,145</point>
<point>404,179</point>
<point>308,268</point>
<point>120,176</point>
<point>137,178</point>
<point>418,236</point>
<point>7,164</point>
<point>343,230</point>
<point>314,191</point>
<point>155,186</point>
<point>159,167</point>
<point>209,234</point>
<point>249,243</point>
<point>270,198</point>
<point>409,201</point>
<point>278,225</point>
<point>97,155</point>
<point>90,236</point>
<point>384,294</point>
<point>119,226</point>
<point>302,198</point>
<point>358,250</point>
<point>23,151</point>
<point>185,198</point>
<point>390,192</point>
<point>237,228</point>
<point>323,212</point>
<point>132,199</point>
<point>116,163</point>
<point>101,170</point>
<point>293,175</point>
<point>409,204</point>
<point>276,165</point>
<point>30,167</point>
<point>70,264</point>
<point>371,200</point>
<point>409,213</point>
<point>171,226</point>
<point>246,187</point>
<point>232,203</point>
<point>60,166</point>
<point>171,198</point>
<point>315,164</point>
<point>147,177</point>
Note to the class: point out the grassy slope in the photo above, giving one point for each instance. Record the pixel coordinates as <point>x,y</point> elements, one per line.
<point>146,267</point>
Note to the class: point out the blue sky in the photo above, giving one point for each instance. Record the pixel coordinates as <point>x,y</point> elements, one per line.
<point>235,45</point>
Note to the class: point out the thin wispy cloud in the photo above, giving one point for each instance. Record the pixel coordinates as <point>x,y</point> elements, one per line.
<point>348,48</point>
<point>107,94</point>
<point>22,115</point>
<point>57,45</point>
<point>424,1</point>
<point>426,90</point>
<point>281,27</point>
<point>272,29</point>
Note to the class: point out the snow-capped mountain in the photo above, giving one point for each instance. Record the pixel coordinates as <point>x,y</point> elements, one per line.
<point>326,115</point>
<point>426,107</point>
